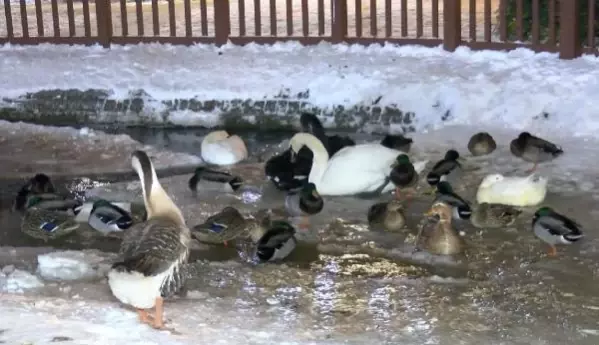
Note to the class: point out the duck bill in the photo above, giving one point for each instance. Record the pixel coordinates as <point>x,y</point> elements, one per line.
<point>428,213</point>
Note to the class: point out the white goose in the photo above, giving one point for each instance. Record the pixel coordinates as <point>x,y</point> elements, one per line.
<point>352,170</point>
<point>220,148</point>
<point>153,252</point>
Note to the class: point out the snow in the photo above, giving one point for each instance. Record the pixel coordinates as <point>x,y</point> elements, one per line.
<point>72,265</point>
<point>513,89</point>
<point>17,281</point>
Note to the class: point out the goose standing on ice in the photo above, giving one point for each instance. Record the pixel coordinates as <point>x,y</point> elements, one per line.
<point>153,252</point>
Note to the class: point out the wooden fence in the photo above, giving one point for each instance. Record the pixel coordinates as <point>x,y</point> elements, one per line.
<point>479,24</point>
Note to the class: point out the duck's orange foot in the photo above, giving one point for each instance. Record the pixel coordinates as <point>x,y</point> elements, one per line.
<point>304,223</point>
<point>397,193</point>
<point>225,243</point>
<point>531,170</point>
<point>552,251</point>
<point>145,317</point>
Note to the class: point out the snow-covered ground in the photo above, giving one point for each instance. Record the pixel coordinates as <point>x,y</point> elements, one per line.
<point>519,89</point>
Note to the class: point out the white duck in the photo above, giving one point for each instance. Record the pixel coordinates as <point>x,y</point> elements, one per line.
<point>153,253</point>
<point>220,148</point>
<point>353,169</point>
<point>512,190</point>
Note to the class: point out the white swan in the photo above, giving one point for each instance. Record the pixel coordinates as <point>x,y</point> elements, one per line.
<point>352,170</point>
<point>514,191</point>
<point>220,148</point>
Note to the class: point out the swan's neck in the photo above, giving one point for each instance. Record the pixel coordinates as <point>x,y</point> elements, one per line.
<point>319,161</point>
<point>157,202</point>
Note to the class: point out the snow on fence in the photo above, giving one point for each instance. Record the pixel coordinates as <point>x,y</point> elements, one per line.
<point>479,24</point>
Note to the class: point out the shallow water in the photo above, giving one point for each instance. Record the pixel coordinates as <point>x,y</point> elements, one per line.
<point>352,284</point>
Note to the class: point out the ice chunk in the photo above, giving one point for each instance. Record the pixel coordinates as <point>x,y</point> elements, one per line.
<point>17,281</point>
<point>72,265</point>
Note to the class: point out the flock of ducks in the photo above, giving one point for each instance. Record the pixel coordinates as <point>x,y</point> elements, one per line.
<point>156,239</point>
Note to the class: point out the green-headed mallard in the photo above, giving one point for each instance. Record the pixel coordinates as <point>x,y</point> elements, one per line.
<point>481,144</point>
<point>273,240</point>
<point>445,193</point>
<point>205,179</point>
<point>554,228</point>
<point>403,175</point>
<point>443,240</point>
<point>397,142</point>
<point>47,224</point>
<point>107,217</point>
<point>447,166</point>
<point>153,253</point>
<point>386,216</point>
<point>304,203</point>
<point>534,149</point>
<point>221,227</point>
<point>39,184</point>
<point>493,215</point>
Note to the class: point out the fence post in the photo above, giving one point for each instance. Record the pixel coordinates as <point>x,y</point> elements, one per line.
<point>339,29</point>
<point>570,46</point>
<point>452,24</point>
<point>222,22</point>
<point>104,20</point>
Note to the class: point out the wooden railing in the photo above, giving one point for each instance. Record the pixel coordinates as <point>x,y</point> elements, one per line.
<point>479,24</point>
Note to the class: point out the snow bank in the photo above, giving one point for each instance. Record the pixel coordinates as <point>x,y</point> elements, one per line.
<point>72,265</point>
<point>17,281</point>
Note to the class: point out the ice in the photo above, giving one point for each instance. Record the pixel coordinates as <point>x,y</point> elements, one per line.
<point>17,281</point>
<point>72,265</point>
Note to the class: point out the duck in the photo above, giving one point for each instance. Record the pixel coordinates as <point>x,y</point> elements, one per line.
<point>354,169</point>
<point>154,253</point>
<point>443,240</point>
<point>491,216</point>
<point>403,175</point>
<point>107,217</point>
<point>512,190</point>
<point>46,224</point>
<point>213,180</point>
<point>224,226</point>
<point>220,148</point>
<point>481,144</point>
<point>461,208</point>
<point>273,240</point>
<point>445,169</point>
<point>554,228</point>
<point>386,216</point>
<point>307,202</point>
<point>397,142</point>
<point>38,184</point>
<point>533,149</point>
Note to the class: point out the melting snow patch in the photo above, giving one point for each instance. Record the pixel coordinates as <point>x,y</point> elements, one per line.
<point>72,265</point>
<point>17,281</point>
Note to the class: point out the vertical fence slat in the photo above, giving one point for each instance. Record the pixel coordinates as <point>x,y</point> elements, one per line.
<point>24,24</point>
<point>502,20</point>
<point>404,18</point>
<point>520,20</point>
<point>487,20</point>
<point>104,22</point>
<point>204,17</point>
<point>8,15</point>
<point>358,18</point>
<point>472,20</point>
<point>222,21</point>
<point>419,19</point>
<point>452,24</point>
<point>435,14</point>
<point>241,10</point>
<point>39,18</point>
<point>320,17</point>
<point>55,18</point>
<point>339,12</point>
<point>139,13</point>
<point>591,25</point>
<point>551,37</point>
<point>257,18</point>
<point>71,18</point>
<point>155,18</point>
<point>373,23</point>
<point>569,40</point>
<point>388,18</point>
<point>305,19</point>
<point>124,21</point>
<point>87,27</point>
<point>273,17</point>
<point>536,26</point>
<point>289,15</point>
<point>188,24</point>
<point>171,18</point>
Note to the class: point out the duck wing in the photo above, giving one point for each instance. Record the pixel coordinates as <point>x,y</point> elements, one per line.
<point>444,167</point>
<point>544,145</point>
<point>337,142</point>
<point>558,224</point>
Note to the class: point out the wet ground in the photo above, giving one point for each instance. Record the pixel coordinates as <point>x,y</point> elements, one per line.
<point>345,283</point>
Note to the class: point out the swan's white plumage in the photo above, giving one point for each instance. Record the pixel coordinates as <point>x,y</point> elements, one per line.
<point>512,190</point>
<point>221,149</point>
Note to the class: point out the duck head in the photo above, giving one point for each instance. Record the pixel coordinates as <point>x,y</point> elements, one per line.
<point>440,210</point>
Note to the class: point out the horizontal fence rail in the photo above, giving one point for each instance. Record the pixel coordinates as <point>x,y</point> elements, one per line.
<point>565,26</point>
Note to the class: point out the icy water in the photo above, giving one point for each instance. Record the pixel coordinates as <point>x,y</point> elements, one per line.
<point>345,283</point>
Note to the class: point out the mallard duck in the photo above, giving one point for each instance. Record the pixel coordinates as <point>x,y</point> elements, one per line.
<point>45,224</point>
<point>441,171</point>
<point>490,216</point>
<point>107,217</point>
<point>353,170</point>
<point>512,190</point>
<point>220,148</point>
<point>554,228</point>
<point>403,175</point>
<point>273,240</point>
<point>443,240</point>
<point>534,149</point>
<point>397,142</point>
<point>305,203</point>
<point>153,253</point>
<point>481,144</point>
<point>214,180</point>
<point>39,184</point>
<point>221,227</point>
<point>445,193</point>
<point>386,216</point>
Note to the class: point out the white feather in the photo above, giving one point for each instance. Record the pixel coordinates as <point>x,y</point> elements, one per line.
<point>137,290</point>
<point>513,191</point>
<point>221,149</point>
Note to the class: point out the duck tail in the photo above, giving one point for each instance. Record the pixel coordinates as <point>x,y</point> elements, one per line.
<point>193,183</point>
<point>557,152</point>
<point>432,178</point>
<point>573,237</point>
<point>235,183</point>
